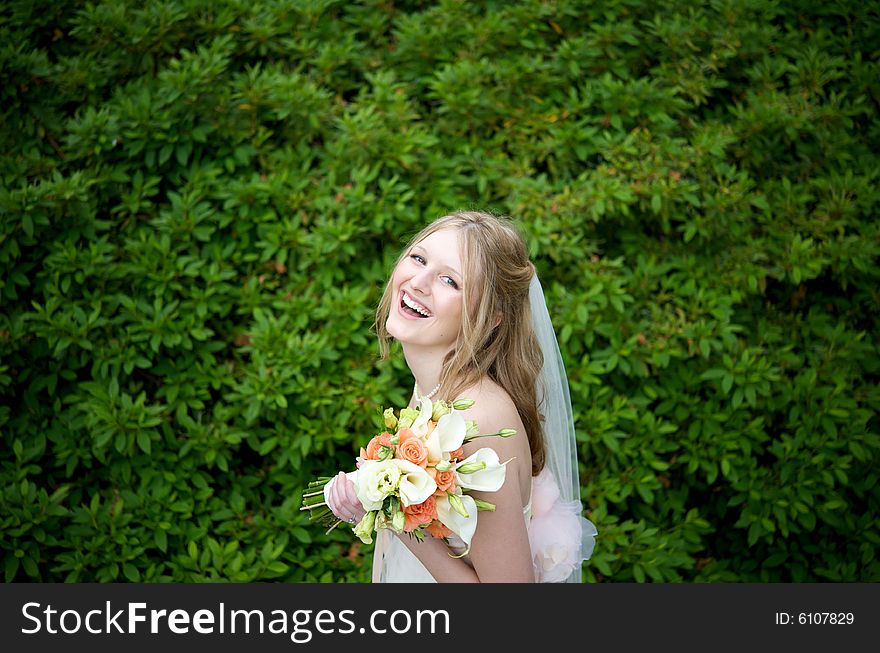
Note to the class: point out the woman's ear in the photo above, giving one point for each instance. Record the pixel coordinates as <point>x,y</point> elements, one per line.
<point>497,320</point>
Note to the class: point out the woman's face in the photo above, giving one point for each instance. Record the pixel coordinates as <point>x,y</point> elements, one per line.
<point>426,291</point>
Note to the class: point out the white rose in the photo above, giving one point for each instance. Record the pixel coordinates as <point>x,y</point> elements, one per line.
<point>377,479</point>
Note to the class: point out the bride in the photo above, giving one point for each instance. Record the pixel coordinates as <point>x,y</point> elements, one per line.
<point>467,308</point>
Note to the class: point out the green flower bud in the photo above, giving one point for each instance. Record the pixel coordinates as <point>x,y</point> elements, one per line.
<point>390,418</point>
<point>457,504</point>
<point>407,417</point>
<point>443,466</point>
<point>471,467</point>
<point>506,433</point>
<point>364,528</point>
<point>484,505</point>
<point>463,404</point>
<point>398,519</point>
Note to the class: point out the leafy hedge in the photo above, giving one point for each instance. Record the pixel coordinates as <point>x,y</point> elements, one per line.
<point>200,201</point>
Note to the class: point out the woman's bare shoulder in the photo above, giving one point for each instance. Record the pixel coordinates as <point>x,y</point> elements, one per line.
<point>493,408</point>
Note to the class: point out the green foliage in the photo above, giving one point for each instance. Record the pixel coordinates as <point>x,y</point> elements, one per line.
<point>200,203</point>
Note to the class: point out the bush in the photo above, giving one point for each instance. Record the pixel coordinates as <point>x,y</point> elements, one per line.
<point>201,202</point>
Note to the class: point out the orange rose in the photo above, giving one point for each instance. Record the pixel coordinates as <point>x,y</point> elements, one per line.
<point>405,434</point>
<point>374,447</point>
<point>413,450</point>
<point>419,514</point>
<point>445,481</point>
<point>458,454</point>
<point>437,529</point>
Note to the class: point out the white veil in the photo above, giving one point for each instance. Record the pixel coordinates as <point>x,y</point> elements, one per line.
<point>554,403</point>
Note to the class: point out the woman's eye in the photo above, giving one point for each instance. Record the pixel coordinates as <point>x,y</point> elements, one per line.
<point>417,258</point>
<point>450,282</point>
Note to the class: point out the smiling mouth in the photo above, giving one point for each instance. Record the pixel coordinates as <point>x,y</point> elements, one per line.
<point>408,309</point>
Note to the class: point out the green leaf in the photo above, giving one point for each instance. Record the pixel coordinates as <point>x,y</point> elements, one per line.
<point>611,442</point>
<point>165,153</point>
<point>726,384</point>
<point>11,564</point>
<point>301,534</point>
<point>638,573</point>
<point>277,567</point>
<point>30,567</point>
<point>565,334</point>
<point>131,572</point>
<point>161,539</point>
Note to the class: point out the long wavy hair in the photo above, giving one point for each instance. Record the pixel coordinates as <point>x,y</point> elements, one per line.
<point>496,276</point>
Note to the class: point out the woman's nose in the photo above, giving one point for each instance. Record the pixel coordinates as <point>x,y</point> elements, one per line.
<point>421,281</point>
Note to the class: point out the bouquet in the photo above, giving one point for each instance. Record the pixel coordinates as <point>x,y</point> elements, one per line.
<point>413,477</point>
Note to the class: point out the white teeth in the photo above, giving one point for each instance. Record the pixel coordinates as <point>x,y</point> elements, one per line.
<point>409,301</point>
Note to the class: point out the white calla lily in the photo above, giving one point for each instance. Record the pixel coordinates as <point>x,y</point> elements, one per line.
<point>488,479</point>
<point>416,485</point>
<point>462,526</point>
<point>447,436</point>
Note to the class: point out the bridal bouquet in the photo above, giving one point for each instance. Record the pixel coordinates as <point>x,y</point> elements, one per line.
<point>413,478</point>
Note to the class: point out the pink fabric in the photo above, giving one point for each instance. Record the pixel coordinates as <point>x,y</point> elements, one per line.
<point>555,532</point>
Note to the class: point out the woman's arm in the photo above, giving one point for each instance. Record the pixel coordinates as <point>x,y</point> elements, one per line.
<point>500,549</point>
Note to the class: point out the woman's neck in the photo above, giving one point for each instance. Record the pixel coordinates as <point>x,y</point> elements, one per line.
<point>426,366</point>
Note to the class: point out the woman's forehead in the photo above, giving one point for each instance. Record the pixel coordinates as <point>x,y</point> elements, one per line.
<point>443,248</point>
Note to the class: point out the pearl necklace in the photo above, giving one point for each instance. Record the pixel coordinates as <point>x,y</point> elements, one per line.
<point>430,394</point>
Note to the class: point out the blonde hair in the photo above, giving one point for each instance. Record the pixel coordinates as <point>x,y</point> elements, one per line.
<point>496,277</point>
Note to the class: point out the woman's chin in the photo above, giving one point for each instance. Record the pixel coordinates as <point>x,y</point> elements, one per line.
<point>403,336</point>
<point>406,334</point>
<point>415,332</point>
<point>398,329</point>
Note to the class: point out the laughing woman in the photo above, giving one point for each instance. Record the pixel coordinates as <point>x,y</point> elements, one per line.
<point>467,308</point>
